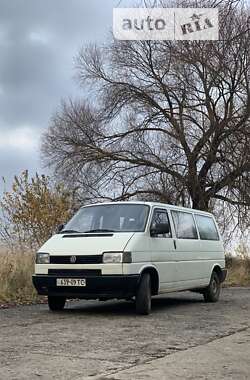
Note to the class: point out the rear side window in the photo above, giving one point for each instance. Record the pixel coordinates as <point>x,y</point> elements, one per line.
<point>207,228</point>
<point>184,225</point>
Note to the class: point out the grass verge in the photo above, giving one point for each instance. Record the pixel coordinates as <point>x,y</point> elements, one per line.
<point>16,270</point>
<point>238,271</point>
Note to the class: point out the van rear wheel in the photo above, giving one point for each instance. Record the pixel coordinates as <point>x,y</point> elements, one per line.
<point>212,292</point>
<point>56,303</point>
<point>143,295</point>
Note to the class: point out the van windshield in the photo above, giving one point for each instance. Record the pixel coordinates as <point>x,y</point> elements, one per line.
<point>109,218</point>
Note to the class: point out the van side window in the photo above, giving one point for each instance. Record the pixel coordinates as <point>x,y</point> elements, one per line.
<point>161,216</point>
<point>206,227</point>
<point>184,225</point>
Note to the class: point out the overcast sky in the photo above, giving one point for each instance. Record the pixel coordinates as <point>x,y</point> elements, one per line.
<point>38,40</point>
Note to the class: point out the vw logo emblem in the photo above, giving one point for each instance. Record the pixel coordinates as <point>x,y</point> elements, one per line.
<point>73,259</point>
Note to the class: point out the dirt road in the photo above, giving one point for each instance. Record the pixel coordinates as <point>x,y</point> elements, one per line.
<point>183,338</point>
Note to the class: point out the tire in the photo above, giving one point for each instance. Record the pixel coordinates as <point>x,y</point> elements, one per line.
<point>143,295</point>
<point>212,292</point>
<point>56,303</point>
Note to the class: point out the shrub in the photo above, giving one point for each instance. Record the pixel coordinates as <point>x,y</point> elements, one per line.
<point>31,211</point>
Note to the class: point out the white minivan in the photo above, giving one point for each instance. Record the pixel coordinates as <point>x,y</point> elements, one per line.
<point>131,249</point>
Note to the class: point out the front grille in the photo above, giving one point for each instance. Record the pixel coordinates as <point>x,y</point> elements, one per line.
<point>74,272</point>
<point>86,259</point>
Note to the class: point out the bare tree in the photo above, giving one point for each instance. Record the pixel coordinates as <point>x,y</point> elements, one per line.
<point>170,121</point>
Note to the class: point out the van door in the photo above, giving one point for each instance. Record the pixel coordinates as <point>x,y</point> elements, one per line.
<point>190,268</point>
<point>162,249</point>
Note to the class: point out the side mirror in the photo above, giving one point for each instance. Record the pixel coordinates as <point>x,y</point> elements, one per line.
<point>159,229</point>
<point>59,228</point>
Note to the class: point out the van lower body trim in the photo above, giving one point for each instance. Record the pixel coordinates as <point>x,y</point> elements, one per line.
<point>105,286</point>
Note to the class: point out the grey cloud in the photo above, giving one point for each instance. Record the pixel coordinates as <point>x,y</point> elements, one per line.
<point>38,39</point>
<point>13,162</point>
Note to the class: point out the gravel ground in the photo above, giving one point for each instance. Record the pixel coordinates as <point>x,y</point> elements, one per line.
<point>182,338</point>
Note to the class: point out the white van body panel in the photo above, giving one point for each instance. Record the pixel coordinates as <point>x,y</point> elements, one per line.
<point>60,244</point>
<point>194,264</point>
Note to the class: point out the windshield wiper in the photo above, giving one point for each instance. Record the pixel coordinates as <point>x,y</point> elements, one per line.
<point>69,232</point>
<point>99,230</point>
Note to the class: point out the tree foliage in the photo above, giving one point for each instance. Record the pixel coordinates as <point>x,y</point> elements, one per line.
<point>32,210</point>
<point>170,121</point>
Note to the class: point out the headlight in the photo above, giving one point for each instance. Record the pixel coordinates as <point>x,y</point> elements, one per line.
<point>116,257</point>
<point>42,258</point>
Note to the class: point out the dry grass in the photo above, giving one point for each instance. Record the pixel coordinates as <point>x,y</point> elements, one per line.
<point>238,271</point>
<point>16,270</point>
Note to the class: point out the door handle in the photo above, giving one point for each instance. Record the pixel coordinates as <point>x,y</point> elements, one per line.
<point>174,244</point>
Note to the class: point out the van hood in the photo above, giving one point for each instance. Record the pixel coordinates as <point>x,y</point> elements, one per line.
<point>89,244</point>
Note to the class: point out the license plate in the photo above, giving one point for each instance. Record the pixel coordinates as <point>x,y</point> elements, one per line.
<point>70,282</point>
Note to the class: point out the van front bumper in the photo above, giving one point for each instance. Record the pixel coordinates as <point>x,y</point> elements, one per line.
<point>104,286</point>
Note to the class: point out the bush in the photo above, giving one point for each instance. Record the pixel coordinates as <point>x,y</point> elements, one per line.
<point>31,211</point>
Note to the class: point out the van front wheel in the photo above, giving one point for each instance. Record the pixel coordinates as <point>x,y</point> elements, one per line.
<point>143,295</point>
<point>56,303</point>
<point>212,292</point>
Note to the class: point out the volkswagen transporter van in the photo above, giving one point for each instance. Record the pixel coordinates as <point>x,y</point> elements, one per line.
<point>128,250</point>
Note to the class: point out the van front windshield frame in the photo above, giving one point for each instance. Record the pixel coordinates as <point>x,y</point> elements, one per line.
<point>109,218</point>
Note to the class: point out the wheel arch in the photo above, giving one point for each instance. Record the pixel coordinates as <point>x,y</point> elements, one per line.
<point>219,271</point>
<point>154,275</point>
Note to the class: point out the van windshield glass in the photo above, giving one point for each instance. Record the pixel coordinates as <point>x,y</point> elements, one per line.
<point>109,218</point>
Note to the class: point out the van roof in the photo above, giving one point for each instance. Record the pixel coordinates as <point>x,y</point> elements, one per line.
<point>151,204</point>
